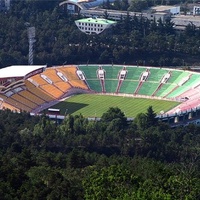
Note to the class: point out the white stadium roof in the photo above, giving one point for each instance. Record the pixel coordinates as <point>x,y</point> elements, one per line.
<point>18,70</point>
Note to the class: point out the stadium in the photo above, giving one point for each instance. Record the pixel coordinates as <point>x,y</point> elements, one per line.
<point>37,88</point>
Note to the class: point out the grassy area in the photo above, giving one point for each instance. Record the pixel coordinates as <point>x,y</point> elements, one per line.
<point>90,105</point>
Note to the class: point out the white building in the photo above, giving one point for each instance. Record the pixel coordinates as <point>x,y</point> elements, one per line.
<point>94,25</point>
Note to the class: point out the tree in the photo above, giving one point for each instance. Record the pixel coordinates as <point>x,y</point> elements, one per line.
<point>151,117</point>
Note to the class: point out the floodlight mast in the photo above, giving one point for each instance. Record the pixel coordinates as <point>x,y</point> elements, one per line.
<point>31,39</point>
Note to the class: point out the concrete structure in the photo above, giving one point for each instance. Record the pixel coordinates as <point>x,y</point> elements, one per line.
<point>93,25</point>
<point>181,21</point>
<point>173,10</point>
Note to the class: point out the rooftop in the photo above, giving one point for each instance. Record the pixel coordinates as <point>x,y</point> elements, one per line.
<point>18,70</point>
<point>162,8</point>
<point>96,21</point>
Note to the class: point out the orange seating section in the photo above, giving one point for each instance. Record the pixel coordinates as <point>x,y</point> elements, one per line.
<point>8,106</point>
<point>39,80</point>
<point>24,101</point>
<point>17,104</point>
<point>51,74</point>
<point>53,90</point>
<point>34,96</point>
<point>38,92</point>
<point>31,97</point>
<point>70,72</point>
<point>63,86</point>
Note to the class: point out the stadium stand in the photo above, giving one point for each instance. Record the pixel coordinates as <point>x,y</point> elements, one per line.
<point>148,88</point>
<point>90,71</point>
<point>92,80</point>
<point>112,71</point>
<point>134,73</point>
<point>64,86</point>
<point>156,74</point>
<point>8,106</point>
<point>194,79</point>
<point>128,87</point>
<point>18,104</point>
<point>38,92</point>
<point>95,85</point>
<point>31,97</point>
<point>51,89</point>
<point>70,72</point>
<point>25,101</point>
<point>39,80</point>
<point>51,73</point>
<point>111,86</point>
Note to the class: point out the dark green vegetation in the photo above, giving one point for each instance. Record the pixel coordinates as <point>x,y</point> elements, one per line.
<point>58,40</point>
<point>108,159</point>
<point>90,105</point>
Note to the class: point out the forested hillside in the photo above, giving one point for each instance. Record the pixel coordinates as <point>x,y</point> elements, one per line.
<point>58,40</point>
<point>107,159</point>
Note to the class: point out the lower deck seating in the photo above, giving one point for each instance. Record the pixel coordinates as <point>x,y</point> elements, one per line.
<point>111,86</point>
<point>17,104</point>
<point>32,97</point>
<point>128,87</point>
<point>52,90</point>
<point>64,86</point>
<point>38,92</point>
<point>25,101</point>
<point>95,85</point>
<point>148,88</point>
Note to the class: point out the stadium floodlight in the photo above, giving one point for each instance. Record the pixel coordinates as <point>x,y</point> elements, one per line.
<point>31,39</point>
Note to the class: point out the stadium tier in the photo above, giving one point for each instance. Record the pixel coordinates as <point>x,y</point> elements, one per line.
<point>148,88</point>
<point>193,80</point>
<point>134,73</point>
<point>45,85</point>
<point>128,87</point>
<point>71,74</point>
<point>111,86</point>
<point>95,85</point>
<point>156,74</point>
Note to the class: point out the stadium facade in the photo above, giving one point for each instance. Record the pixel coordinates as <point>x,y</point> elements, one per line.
<point>35,88</point>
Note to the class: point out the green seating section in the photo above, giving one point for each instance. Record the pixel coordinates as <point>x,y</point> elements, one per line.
<point>128,87</point>
<point>156,74</point>
<point>112,71</point>
<point>165,89</point>
<point>134,73</point>
<point>148,88</point>
<point>89,71</point>
<point>177,76</point>
<point>194,79</point>
<point>111,86</point>
<point>95,85</point>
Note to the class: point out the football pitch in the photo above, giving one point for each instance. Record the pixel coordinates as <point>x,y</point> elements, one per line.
<point>92,105</point>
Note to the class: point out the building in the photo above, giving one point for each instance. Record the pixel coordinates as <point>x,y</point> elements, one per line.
<point>94,25</point>
<point>172,10</point>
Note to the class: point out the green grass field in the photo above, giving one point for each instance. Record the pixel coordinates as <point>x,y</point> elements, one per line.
<point>90,105</point>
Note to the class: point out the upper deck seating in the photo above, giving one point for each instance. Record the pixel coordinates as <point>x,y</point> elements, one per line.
<point>51,73</point>
<point>134,73</point>
<point>156,74</point>
<point>72,77</point>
